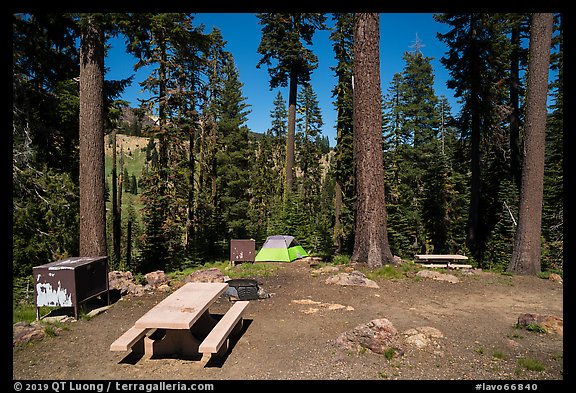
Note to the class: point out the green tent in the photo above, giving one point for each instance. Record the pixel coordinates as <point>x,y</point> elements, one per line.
<point>280,248</point>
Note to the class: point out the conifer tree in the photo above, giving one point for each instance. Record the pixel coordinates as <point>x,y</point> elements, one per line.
<point>309,124</point>
<point>92,202</point>
<point>233,156</point>
<point>371,245</point>
<point>283,36</point>
<point>553,205</point>
<point>344,192</point>
<point>527,241</point>
<point>476,63</point>
<point>169,43</point>
<point>279,117</point>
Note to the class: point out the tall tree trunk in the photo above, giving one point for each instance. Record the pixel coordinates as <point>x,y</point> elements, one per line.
<point>515,155</point>
<point>191,171</point>
<point>371,237</point>
<point>92,189</point>
<point>472,239</point>
<point>116,227</point>
<point>526,254</point>
<point>337,215</point>
<point>291,133</point>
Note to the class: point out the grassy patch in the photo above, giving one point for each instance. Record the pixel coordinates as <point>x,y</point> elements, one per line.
<point>253,270</point>
<point>531,327</point>
<point>498,354</point>
<point>243,270</point>
<point>341,259</point>
<point>531,364</point>
<point>557,356</point>
<point>389,353</point>
<point>23,313</point>
<point>388,272</point>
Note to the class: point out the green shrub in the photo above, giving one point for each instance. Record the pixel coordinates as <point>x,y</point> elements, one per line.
<point>531,364</point>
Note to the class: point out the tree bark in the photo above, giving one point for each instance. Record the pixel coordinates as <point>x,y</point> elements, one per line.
<point>527,243</point>
<point>116,221</point>
<point>473,236</point>
<point>515,155</point>
<point>337,214</point>
<point>290,138</point>
<point>371,237</point>
<point>91,140</point>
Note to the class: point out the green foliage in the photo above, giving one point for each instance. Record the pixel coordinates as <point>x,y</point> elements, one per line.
<point>44,226</point>
<point>389,353</point>
<point>386,272</point>
<point>283,39</point>
<point>341,259</point>
<point>342,166</point>
<point>423,191</point>
<point>531,364</point>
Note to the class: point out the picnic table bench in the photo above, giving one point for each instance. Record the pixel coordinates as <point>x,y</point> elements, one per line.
<point>181,324</point>
<point>442,260</point>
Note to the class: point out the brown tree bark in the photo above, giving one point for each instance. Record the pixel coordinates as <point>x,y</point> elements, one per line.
<point>291,132</point>
<point>515,154</point>
<point>371,236</point>
<point>527,244</point>
<point>116,219</point>
<point>92,202</point>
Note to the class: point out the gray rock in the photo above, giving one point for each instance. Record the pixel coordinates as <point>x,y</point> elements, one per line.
<point>378,335</point>
<point>438,276</point>
<point>353,278</point>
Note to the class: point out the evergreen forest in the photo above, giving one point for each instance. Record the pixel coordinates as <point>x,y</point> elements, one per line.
<point>452,181</point>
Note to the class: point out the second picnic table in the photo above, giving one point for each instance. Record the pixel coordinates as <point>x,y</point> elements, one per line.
<point>442,260</point>
<point>182,324</point>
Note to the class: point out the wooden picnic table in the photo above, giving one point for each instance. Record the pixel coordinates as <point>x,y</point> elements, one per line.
<point>442,260</point>
<point>181,324</point>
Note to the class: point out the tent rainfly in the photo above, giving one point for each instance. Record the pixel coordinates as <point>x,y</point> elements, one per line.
<point>280,248</point>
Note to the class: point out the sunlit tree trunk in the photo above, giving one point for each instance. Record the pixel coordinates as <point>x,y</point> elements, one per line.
<point>371,237</point>
<point>91,144</point>
<point>527,242</point>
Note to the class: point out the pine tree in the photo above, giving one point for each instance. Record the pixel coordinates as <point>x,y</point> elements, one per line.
<point>170,43</point>
<point>308,158</point>
<point>343,165</point>
<point>92,202</point>
<point>476,61</point>
<point>279,116</point>
<point>234,156</point>
<point>282,40</point>
<point>308,140</point>
<point>371,245</point>
<point>527,242</point>
<point>418,102</point>
<point>553,207</point>
<point>45,161</point>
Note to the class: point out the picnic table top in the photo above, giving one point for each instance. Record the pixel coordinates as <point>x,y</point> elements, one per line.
<point>183,307</point>
<point>441,256</point>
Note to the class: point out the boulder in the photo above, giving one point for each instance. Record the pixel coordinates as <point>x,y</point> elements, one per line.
<point>421,337</point>
<point>438,276</point>
<point>378,335</point>
<point>155,279</point>
<point>550,323</point>
<point>555,277</point>
<point>124,283</point>
<point>23,332</point>
<point>353,278</point>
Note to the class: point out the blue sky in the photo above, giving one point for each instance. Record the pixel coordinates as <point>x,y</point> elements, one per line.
<point>242,33</point>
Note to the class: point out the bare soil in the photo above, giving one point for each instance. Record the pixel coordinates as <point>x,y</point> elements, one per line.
<point>286,340</point>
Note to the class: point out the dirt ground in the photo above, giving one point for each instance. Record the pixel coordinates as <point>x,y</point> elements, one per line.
<point>285,340</point>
